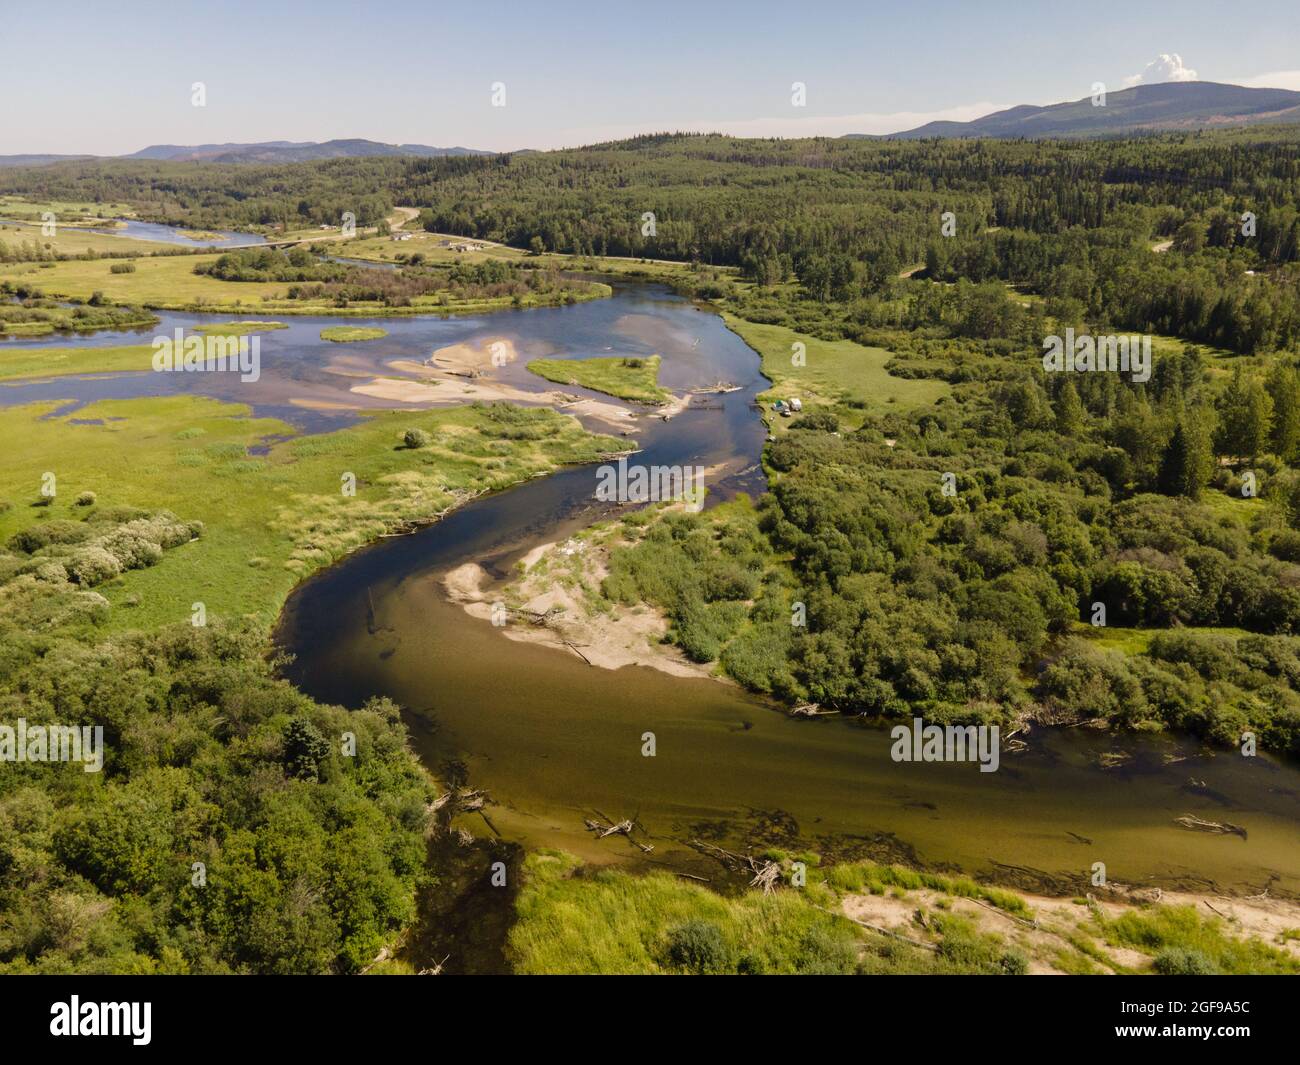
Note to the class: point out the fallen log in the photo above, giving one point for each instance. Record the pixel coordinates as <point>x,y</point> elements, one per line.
<point>1199,824</point>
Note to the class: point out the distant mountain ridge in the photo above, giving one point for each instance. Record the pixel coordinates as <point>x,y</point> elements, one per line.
<point>291,151</point>
<point>1144,108</point>
<point>261,152</point>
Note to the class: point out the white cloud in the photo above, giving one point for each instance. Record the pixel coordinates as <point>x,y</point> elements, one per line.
<point>809,126</point>
<point>1279,79</point>
<point>1162,68</point>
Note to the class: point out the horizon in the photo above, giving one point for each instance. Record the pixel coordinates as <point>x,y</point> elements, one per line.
<point>430,76</point>
<point>648,132</point>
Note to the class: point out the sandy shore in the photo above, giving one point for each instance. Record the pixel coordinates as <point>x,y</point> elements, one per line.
<point>624,636</point>
<point>1058,920</point>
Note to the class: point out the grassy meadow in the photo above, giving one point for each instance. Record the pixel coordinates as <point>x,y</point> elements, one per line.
<point>837,375</point>
<point>58,362</point>
<point>635,379</point>
<point>170,283</point>
<point>271,518</point>
<point>351,334</point>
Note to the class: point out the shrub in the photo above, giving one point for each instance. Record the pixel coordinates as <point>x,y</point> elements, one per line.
<point>86,499</point>
<point>1178,961</point>
<point>415,438</point>
<point>91,565</point>
<point>122,268</point>
<point>699,947</point>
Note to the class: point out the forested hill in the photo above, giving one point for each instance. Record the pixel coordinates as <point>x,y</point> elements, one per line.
<point>1174,105</point>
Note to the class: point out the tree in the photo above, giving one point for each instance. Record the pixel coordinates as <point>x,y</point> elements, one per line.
<point>1284,435</point>
<point>1245,417</point>
<point>1069,410</point>
<point>1186,464</point>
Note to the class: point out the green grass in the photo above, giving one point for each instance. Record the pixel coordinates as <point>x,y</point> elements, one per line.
<point>858,877</point>
<point>237,329</point>
<point>271,519</point>
<point>71,240</point>
<point>170,283</point>
<point>348,334</point>
<point>837,375</point>
<point>1137,641</point>
<point>1182,929</point>
<point>615,922</point>
<point>627,378</point>
<point>18,207</point>
<point>58,362</point>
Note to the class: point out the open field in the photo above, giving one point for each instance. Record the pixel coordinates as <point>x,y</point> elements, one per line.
<point>64,210</point>
<point>170,283</point>
<point>271,518</point>
<point>59,362</point>
<point>70,240</point>
<point>349,334</point>
<point>837,375</point>
<point>636,379</point>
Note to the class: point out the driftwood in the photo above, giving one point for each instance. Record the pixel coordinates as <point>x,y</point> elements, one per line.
<point>616,828</point>
<point>574,649</point>
<point>767,877</point>
<point>810,710</point>
<point>766,873</point>
<point>436,970</point>
<point>1198,824</point>
<point>455,801</point>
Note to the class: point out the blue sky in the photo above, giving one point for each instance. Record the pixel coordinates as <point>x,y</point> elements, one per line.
<point>109,79</point>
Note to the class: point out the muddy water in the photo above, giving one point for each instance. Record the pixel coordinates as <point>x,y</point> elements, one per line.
<point>555,741</point>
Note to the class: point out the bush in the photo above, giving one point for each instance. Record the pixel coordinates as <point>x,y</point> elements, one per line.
<point>86,499</point>
<point>822,420</point>
<point>122,268</point>
<point>415,438</point>
<point>1178,961</point>
<point>699,947</point>
<point>91,565</point>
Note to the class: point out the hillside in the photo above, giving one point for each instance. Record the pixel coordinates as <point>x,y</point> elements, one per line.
<point>1171,106</point>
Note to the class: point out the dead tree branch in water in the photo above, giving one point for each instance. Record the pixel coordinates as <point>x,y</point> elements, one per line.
<point>1197,824</point>
<point>613,828</point>
<point>766,873</point>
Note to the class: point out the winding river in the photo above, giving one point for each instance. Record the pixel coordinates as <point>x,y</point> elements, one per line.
<point>554,741</point>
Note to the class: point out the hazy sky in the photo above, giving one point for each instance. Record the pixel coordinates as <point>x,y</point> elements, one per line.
<point>112,78</point>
